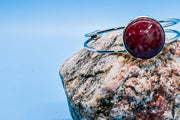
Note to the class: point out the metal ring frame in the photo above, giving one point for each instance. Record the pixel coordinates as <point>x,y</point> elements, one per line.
<point>98,34</point>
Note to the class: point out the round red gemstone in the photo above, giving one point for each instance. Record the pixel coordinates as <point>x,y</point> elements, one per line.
<point>144,38</point>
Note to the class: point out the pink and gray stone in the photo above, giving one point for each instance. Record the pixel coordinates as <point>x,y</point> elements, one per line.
<point>119,86</point>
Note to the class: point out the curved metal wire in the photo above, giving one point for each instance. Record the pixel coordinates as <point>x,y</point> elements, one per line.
<point>124,50</point>
<point>169,22</point>
<point>174,38</point>
<point>97,34</point>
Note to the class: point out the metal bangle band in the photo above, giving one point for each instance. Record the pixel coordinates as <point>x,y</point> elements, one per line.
<point>174,38</point>
<point>124,50</point>
<point>99,50</point>
<point>169,22</point>
<point>98,34</point>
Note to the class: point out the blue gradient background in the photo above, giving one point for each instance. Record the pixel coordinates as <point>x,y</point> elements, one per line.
<point>37,36</point>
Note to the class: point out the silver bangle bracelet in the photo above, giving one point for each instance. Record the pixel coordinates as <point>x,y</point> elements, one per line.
<point>142,30</point>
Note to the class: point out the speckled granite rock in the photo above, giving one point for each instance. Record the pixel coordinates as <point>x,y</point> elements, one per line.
<point>119,86</point>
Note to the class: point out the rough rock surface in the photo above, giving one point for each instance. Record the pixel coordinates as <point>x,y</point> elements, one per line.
<point>119,86</point>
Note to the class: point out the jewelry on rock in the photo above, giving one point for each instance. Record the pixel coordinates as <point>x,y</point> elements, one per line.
<point>143,37</point>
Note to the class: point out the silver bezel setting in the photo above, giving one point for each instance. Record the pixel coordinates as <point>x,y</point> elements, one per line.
<point>124,31</point>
